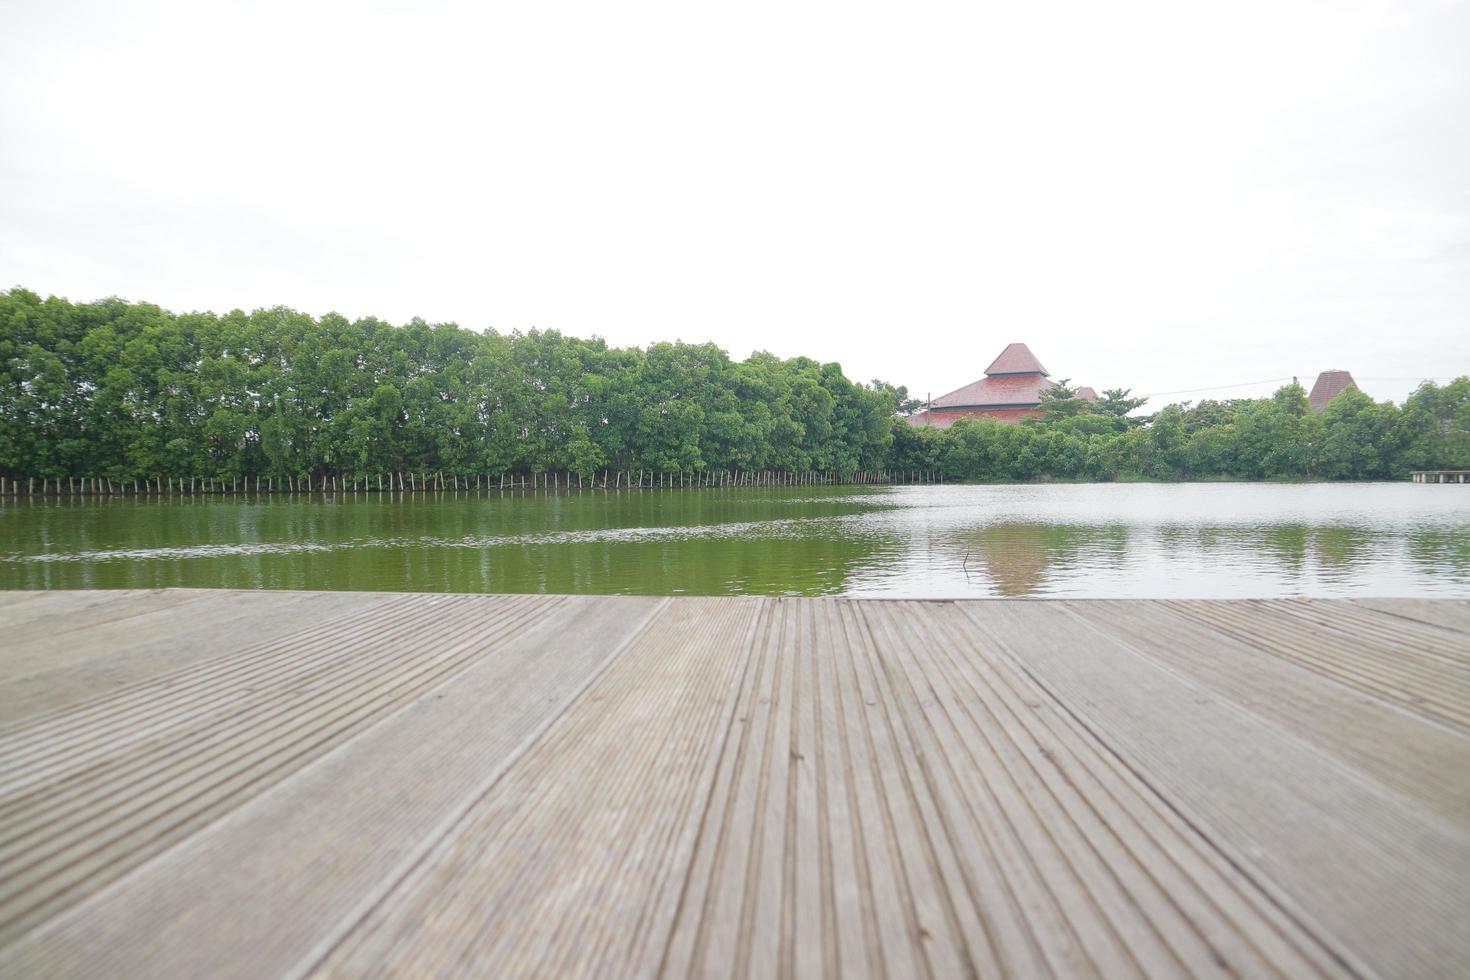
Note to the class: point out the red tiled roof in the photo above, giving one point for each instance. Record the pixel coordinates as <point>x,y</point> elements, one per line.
<point>1016,359</point>
<point>1007,389</point>
<point>1329,385</point>
<point>1087,395</point>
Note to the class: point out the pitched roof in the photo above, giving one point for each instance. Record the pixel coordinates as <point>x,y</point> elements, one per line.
<point>1016,359</point>
<point>1087,395</point>
<point>1329,385</point>
<point>1012,390</point>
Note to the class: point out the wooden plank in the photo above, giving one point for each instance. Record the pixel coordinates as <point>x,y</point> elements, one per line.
<point>1433,682</point>
<point>963,840</point>
<point>1383,882</point>
<point>65,638</point>
<point>1138,892</point>
<point>573,863</point>
<point>766,865</point>
<point>77,630</point>
<point>269,888</point>
<point>56,675</point>
<point>87,795</point>
<point>604,786</point>
<point>1437,612</point>
<point>1404,752</point>
<point>51,612</point>
<point>1414,640</point>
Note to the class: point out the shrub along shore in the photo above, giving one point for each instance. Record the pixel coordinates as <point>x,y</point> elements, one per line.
<point>115,396</point>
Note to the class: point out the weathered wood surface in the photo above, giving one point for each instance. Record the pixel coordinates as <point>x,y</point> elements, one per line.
<point>203,783</point>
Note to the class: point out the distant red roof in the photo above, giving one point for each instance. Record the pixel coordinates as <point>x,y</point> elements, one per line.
<point>1007,389</point>
<point>1329,385</point>
<point>1016,359</point>
<point>1011,390</point>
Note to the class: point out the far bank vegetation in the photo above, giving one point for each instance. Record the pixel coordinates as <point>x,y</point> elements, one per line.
<point>124,392</point>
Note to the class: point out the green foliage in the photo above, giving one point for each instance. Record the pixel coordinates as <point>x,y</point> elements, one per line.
<point>1274,438</point>
<point>1060,401</point>
<point>1435,426</point>
<point>902,403</point>
<point>130,391</point>
<point>1116,405</point>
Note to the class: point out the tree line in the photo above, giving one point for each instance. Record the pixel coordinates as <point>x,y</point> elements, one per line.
<point>128,391</point>
<point>1275,438</point>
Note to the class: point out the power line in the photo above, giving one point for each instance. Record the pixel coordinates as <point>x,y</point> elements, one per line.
<point>1190,391</point>
<point>1268,381</point>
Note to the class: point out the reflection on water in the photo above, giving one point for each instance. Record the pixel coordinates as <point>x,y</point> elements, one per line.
<point>1019,557</point>
<point>1066,540</point>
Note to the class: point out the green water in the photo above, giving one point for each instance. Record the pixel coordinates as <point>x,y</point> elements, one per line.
<point>1203,540</point>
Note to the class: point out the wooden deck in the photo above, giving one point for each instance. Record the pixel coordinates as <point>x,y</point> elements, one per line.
<point>210,783</point>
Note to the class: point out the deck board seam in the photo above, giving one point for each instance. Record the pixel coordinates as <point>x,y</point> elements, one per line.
<point>1323,939</point>
<point>1095,761</point>
<point>443,833</point>
<point>1361,666</point>
<point>1369,682</point>
<point>642,934</point>
<point>909,754</point>
<point>219,809</point>
<point>996,948</point>
<point>218,728</point>
<point>183,600</point>
<point>750,892</point>
<point>1337,763</point>
<point>707,811</point>
<point>889,836</point>
<point>1399,612</point>
<point>230,664</point>
<point>1408,618</point>
<point>962,680</point>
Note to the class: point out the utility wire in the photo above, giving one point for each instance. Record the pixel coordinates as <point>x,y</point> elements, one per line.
<point>1268,381</point>
<point>1190,391</point>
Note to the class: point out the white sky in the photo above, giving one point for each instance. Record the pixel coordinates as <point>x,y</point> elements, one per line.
<point>1152,195</point>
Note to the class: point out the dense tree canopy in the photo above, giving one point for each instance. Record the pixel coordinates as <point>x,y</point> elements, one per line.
<point>1274,438</point>
<point>130,391</point>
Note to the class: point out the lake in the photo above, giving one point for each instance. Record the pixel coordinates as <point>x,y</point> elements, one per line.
<point>1074,540</point>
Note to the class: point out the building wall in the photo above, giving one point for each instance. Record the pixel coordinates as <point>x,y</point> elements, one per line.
<point>1010,415</point>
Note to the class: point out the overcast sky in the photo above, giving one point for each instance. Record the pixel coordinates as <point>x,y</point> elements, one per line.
<point>1159,196</point>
